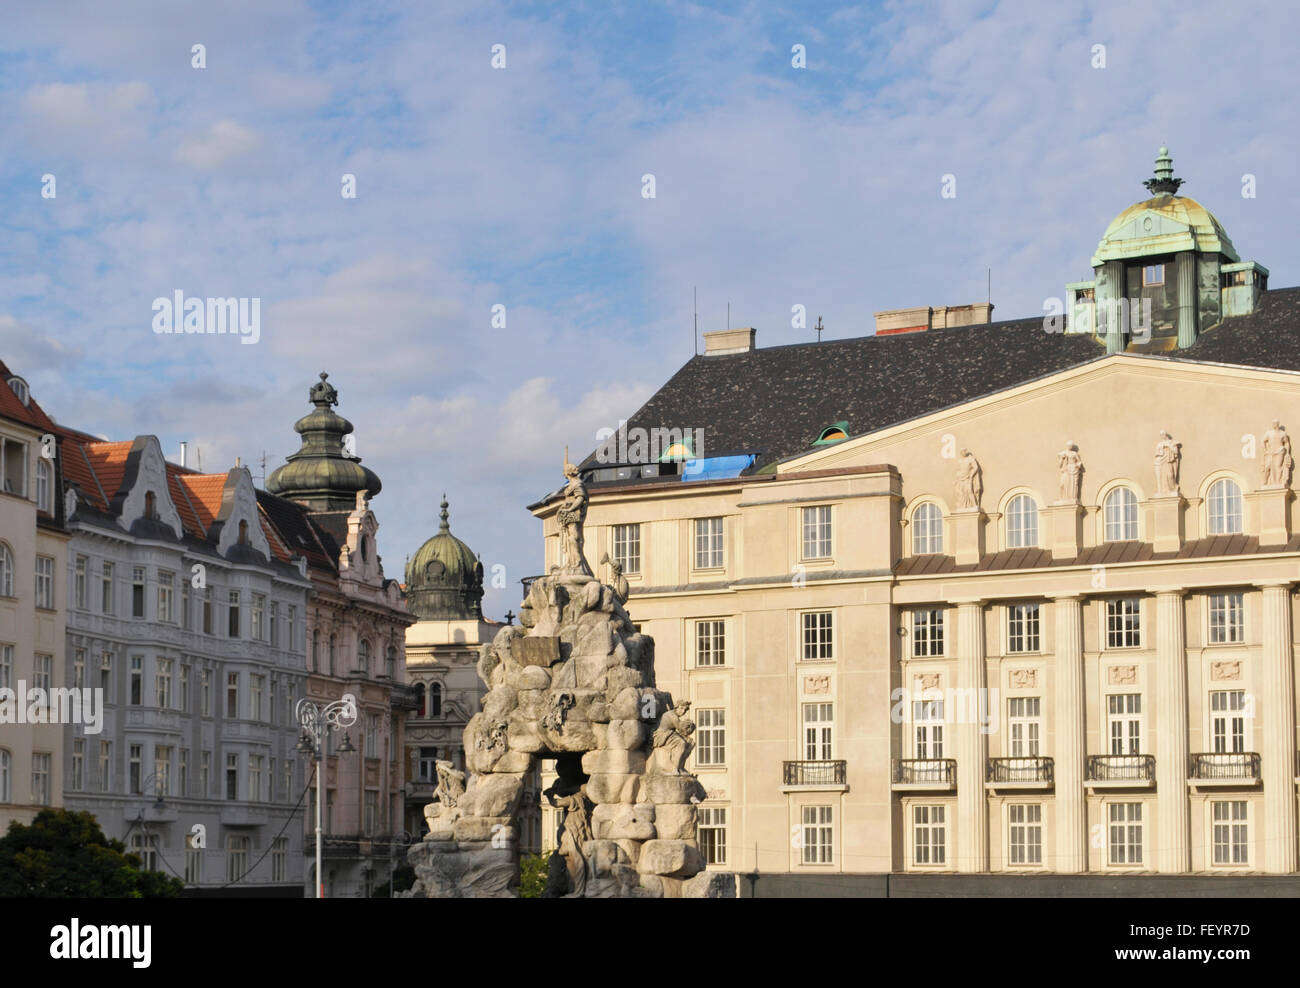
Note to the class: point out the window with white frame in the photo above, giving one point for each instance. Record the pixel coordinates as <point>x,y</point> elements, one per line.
<point>817,532</point>
<point>6,667</point>
<point>193,861</point>
<point>232,616</point>
<point>708,543</point>
<point>1227,618</point>
<point>927,632</point>
<point>711,834</point>
<point>927,727</point>
<point>1223,507</point>
<point>1124,723</point>
<point>1120,512</point>
<point>78,763</point>
<point>142,846</point>
<point>711,747</point>
<point>927,530</point>
<point>43,673</point>
<point>255,778</point>
<point>256,695</point>
<point>6,776</point>
<point>818,638</point>
<point>236,856</point>
<point>1025,837</point>
<point>79,582</point>
<point>627,548</point>
<point>106,603</point>
<point>1124,622</point>
<point>6,571</point>
<point>79,668</point>
<point>163,682</point>
<point>1023,628</point>
<point>137,591</point>
<point>162,769</point>
<point>105,766</point>
<point>1022,522</point>
<point>710,643</point>
<point>280,859</point>
<point>372,736</point>
<point>166,595</point>
<point>819,731</point>
<point>44,486</point>
<point>1125,835</point>
<point>258,616</point>
<point>428,764</point>
<point>45,582</point>
<point>1228,721</point>
<point>1231,836</point>
<point>1024,726</point>
<point>135,766</point>
<point>929,835</point>
<point>818,835</point>
<point>371,819</point>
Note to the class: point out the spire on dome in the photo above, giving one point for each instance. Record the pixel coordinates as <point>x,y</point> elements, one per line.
<point>1164,184</point>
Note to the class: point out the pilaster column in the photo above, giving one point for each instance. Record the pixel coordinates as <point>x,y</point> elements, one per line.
<point>1185,262</point>
<point>1278,748</point>
<point>972,741</point>
<point>1071,744</point>
<point>1171,733</point>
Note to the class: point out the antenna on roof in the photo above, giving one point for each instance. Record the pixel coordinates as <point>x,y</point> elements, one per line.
<point>990,298</point>
<point>728,315</point>
<point>819,328</point>
<point>695,309</point>
<point>262,462</point>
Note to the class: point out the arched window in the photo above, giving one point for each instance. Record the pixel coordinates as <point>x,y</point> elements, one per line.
<point>435,699</point>
<point>1121,516</point>
<point>392,661</point>
<point>315,650</point>
<point>243,532</point>
<point>19,387</point>
<point>150,505</point>
<point>927,530</point>
<point>1224,505</point>
<point>44,486</point>
<point>334,640</point>
<point>6,777</point>
<point>363,656</point>
<point>6,571</point>
<point>1022,522</point>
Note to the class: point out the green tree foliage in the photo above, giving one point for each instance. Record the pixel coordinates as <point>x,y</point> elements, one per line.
<point>65,855</point>
<point>532,875</point>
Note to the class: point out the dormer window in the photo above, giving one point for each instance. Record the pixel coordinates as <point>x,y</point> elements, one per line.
<point>150,505</point>
<point>19,387</point>
<point>833,433</point>
<point>1153,274</point>
<point>243,533</point>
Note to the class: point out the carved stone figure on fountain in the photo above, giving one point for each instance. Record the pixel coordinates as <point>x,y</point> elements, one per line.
<point>672,739</point>
<point>571,515</point>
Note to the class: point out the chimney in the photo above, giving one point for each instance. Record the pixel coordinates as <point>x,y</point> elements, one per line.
<point>920,318</point>
<point>184,449</point>
<point>729,341</point>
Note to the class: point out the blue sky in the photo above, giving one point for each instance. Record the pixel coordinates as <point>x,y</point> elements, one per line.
<point>521,186</point>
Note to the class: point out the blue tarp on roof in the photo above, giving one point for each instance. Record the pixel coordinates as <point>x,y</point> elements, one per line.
<point>716,467</point>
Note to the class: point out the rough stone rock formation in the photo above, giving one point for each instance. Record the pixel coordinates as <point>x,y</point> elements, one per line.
<point>574,682</point>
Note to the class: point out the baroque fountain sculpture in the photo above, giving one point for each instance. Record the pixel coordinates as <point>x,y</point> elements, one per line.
<point>574,681</point>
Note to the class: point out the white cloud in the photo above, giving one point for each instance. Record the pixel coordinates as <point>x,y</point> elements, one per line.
<point>224,140</point>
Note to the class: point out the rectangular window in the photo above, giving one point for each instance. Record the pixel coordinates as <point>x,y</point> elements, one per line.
<point>142,846</point>
<point>259,612</point>
<point>1228,720</point>
<point>134,764</point>
<point>1153,274</point>
<point>708,543</point>
<point>185,689</point>
<point>1123,623</point>
<point>428,760</point>
<point>1231,834</point>
<point>137,680</point>
<point>166,595</point>
<point>290,622</point>
<point>205,772</point>
<point>13,466</point>
<point>232,625</point>
<point>711,834</point>
<point>927,633</point>
<point>256,686</point>
<point>927,725</point>
<point>1227,618</point>
<point>275,625</point>
<point>710,643</point>
<point>712,737</point>
<point>137,592</point>
<point>185,604</point>
<point>78,763</point>
<point>45,582</point>
<point>106,676</point>
<point>1124,716</point>
<point>817,835</point>
<point>817,532</point>
<point>43,674</point>
<point>163,682</point>
<point>183,774</point>
<point>79,583</point>
<point>818,640</point>
<point>232,777</point>
<point>818,732</point>
<point>162,769</point>
<point>1023,628</point>
<point>1025,726</point>
<point>627,548</point>
<point>79,668</point>
<point>371,821</point>
<point>236,857</point>
<point>205,692</point>
<point>929,835</point>
<point>105,766</point>
<point>6,667</point>
<point>106,589</point>
<point>255,777</point>
<point>288,780</point>
<point>232,696</point>
<point>280,859</point>
<point>1026,837</point>
<point>372,736</point>
<point>193,861</point>
<point>207,611</point>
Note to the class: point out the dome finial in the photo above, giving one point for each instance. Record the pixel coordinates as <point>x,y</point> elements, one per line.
<point>1164,184</point>
<point>444,526</point>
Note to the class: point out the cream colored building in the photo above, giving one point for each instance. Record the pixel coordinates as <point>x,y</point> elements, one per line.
<point>885,680</point>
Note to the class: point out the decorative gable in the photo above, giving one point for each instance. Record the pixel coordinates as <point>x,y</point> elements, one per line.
<point>238,522</point>
<point>143,501</point>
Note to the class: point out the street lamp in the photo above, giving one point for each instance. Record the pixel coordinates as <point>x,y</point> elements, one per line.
<point>315,722</point>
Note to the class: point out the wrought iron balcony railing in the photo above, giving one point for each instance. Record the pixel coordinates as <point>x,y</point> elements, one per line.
<point>1221,765</point>
<point>814,773</point>
<point>1032,768</point>
<point>922,771</point>
<point>1122,768</point>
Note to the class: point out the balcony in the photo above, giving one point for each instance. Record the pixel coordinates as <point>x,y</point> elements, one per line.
<point>1033,772</point>
<point>1222,768</point>
<point>932,774</point>
<point>1121,772</point>
<point>813,775</point>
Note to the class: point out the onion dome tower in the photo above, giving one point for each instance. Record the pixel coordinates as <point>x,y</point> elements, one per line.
<point>321,475</point>
<point>444,579</point>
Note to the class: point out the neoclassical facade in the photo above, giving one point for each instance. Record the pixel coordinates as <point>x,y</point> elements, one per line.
<point>992,599</point>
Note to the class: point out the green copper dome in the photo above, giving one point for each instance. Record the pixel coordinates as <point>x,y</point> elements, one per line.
<point>444,579</point>
<point>321,475</point>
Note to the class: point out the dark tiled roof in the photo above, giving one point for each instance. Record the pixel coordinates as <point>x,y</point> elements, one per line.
<point>1268,337</point>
